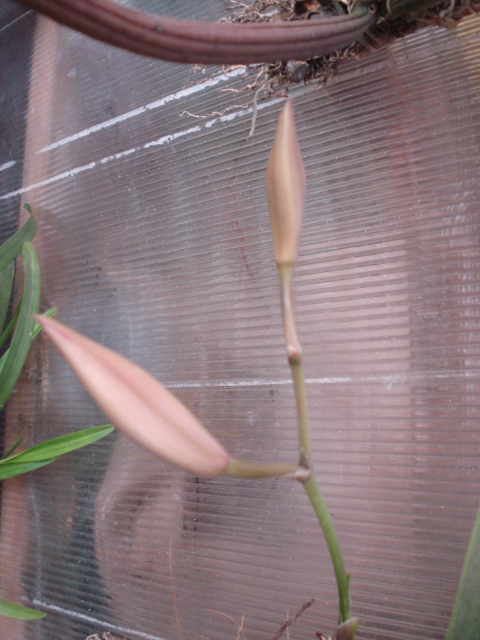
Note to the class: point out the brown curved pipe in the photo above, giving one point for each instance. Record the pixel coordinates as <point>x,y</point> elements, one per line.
<point>208,43</point>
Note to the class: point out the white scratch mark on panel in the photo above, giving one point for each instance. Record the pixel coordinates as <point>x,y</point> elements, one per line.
<point>117,156</point>
<point>10,24</point>
<point>170,137</point>
<point>7,165</point>
<point>173,97</point>
<point>43,183</point>
<point>251,383</point>
<point>161,141</point>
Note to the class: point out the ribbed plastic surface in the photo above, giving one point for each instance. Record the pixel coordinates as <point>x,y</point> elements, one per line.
<point>154,239</point>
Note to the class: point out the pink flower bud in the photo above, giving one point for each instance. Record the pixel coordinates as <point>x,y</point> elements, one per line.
<point>138,405</point>
<point>285,184</point>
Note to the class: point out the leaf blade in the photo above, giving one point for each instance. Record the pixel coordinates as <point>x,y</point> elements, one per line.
<point>12,247</point>
<point>36,329</point>
<point>47,314</point>
<point>12,469</point>
<point>8,329</point>
<point>6,281</point>
<point>22,338</point>
<point>10,610</point>
<point>60,445</point>
<point>12,449</point>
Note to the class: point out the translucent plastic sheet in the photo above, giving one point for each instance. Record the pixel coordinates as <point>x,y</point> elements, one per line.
<point>154,240</point>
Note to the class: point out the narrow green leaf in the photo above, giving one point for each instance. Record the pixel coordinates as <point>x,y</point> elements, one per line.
<point>48,314</point>
<point>8,329</point>
<point>12,449</point>
<point>60,445</point>
<point>11,469</point>
<point>36,329</point>
<point>6,279</point>
<point>10,610</point>
<point>28,208</point>
<point>10,249</point>
<point>465,620</point>
<point>2,361</point>
<point>18,350</point>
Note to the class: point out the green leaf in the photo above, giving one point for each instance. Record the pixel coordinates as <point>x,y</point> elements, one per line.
<point>10,610</point>
<point>2,361</point>
<point>6,279</point>
<point>10,249</point>
<point>48,314</point>
<point>36,329</point>
<point>49,451</point>
<point>6,332</point>
<point>18,350</point>
<point>465,620</point>
<point>11,469</point>
<point>12,449</point>
<point>60,445</point>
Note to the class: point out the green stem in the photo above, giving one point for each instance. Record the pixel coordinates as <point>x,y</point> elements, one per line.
<point>294,353</point>
<point>302,413</point>
<point>320,507</point>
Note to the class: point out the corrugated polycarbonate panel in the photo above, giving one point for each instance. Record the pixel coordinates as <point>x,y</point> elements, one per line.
<point>154,240</point>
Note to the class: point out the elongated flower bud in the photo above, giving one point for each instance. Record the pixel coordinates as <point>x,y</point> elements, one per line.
<point>286,189</point>
<point>138,405</point>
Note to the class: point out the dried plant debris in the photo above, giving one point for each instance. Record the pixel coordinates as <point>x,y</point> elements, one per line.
<point>289,621</point>
<point>397,18</point>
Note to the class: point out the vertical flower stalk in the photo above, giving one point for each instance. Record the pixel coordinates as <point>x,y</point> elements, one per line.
<point>285,185</point>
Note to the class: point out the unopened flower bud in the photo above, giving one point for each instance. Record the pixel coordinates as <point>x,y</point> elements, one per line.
<point>138,405</point>
<point>285,184</point>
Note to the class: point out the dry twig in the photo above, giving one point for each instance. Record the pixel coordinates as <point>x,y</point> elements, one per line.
<point>290,621</point>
